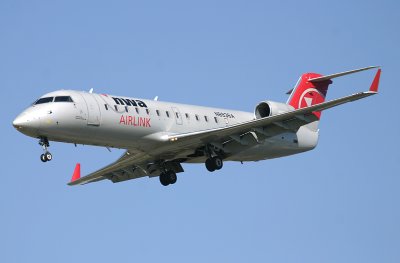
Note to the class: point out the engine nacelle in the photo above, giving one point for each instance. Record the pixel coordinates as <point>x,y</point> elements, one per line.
<point>270,108</point>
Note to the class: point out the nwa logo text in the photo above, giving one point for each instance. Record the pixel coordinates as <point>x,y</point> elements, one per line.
<point>129,102</point>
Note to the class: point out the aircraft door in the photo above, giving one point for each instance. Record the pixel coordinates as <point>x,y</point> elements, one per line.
<point>177,115</point>
<point>94,115</point>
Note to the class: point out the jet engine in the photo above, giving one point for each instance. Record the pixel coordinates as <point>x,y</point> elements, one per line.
<point>270,108</point>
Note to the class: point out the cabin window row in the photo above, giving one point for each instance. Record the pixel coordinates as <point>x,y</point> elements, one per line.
<point>167,113</point>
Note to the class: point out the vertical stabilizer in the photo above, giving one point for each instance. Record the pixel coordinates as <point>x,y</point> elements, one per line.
<point>308,93</point>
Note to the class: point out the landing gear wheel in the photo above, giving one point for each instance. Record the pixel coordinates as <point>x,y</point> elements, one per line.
<point>210,165</point>
<point>168,178</point>
<point>217,161</point>
<point>172,177</point>
<point>49,157</point>
<point>43,158</point>
<point>214,163</point>
<point>164,179</point>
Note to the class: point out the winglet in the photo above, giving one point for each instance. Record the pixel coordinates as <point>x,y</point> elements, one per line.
<point>375,82</point>
<point>77,173</point>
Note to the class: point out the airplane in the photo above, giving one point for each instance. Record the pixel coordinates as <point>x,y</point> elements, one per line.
<point>160,136</point>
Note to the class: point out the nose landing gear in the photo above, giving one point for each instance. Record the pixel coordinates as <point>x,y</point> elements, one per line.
<point>46,156</point>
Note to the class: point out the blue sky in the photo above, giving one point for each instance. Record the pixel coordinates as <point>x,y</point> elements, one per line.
<point>338,203</point>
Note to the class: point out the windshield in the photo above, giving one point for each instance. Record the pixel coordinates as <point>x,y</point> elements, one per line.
<point>43,100</point>
<point>63,99</point>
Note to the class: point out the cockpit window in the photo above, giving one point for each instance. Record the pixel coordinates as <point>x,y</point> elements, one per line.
<point>63,99</point>
<point>43,100</point>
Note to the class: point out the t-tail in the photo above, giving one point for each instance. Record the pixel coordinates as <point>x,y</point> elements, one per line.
<point>312,88</point>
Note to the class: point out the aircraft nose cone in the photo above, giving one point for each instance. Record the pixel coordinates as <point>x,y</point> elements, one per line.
<point>19,123</point>
<point>25,123</point>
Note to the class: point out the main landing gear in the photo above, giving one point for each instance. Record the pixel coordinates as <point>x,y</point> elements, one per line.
<point>214,163</point>
<point>168,177</point>
<point>46,156</point>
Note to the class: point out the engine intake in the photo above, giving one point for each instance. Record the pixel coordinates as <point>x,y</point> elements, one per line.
<point>270,108</point>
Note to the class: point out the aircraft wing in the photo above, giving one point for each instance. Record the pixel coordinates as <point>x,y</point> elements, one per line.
<point>292,120</point>
<point>128,166</point>
<point>111,171</point>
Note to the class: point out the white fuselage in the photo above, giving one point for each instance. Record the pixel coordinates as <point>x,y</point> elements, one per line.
<point>140,125</point>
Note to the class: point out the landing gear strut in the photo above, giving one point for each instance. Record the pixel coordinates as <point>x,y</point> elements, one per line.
<point>46,156</point>
<point>168,177</point>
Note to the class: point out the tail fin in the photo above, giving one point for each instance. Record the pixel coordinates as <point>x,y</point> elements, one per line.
<point>307,93</point>
<point>312,88</point>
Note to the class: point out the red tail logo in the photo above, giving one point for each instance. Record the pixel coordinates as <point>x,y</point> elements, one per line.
<point>307,93</point>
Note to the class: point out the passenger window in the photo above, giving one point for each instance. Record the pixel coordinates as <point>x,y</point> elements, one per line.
<point>177,115</point>
<point>216,119</point>
<point>167,112</point>
<point>206,118</point>
<point>63,99</point>
<point>137,110</point>
<point>187,115</point>
<point>116,107</point>
<point>105,106</point>
<point>197,117</point>
<point>44,100</point>
<point>158,112</point>
<point>126,109</point>
<point>147,111</point>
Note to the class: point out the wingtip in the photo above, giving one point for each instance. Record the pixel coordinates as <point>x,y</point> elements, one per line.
<point>77,173</point>
<point>375,82</point>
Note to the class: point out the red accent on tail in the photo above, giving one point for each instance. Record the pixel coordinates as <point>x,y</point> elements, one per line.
<point>77,172</point>
<point>375,82</point>
<point>306,93</point>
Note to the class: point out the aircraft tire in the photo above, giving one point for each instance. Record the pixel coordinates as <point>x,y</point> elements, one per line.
<point>164,179</point>
<point>217,162</point>
<point>210,165</point>
<point>43,158</point>
<point>172,178</point>
<point>49,157</point>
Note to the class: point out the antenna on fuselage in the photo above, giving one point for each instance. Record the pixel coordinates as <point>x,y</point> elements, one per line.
<point>91,90</point>
<point>155,98</point>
